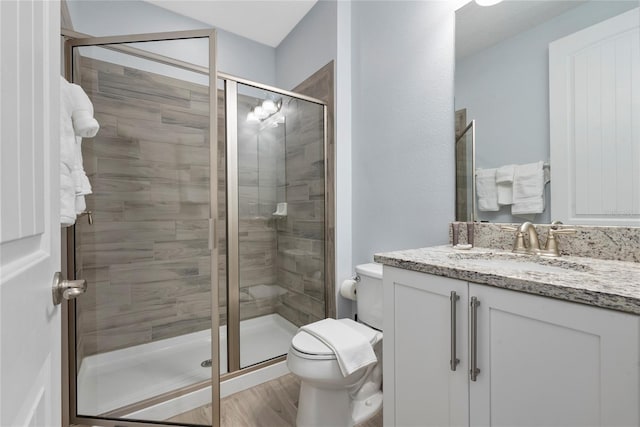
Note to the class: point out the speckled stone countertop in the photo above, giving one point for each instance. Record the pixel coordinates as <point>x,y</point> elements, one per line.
<point>601,283</point>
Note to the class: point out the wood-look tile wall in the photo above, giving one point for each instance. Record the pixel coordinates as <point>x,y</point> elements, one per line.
<point>146,256</point>
<point>320,85</point>
<point>301,235</point>
<point>260,172</point>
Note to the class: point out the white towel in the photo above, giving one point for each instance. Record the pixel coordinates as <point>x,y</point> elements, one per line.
<point>528,189</point>
<point>504,183</point>
<point>82,113</point>
<point>487,190</point>
<point>352,349</point>
<point>84,126</point>
<point>76,121</point>
<point>81,205</point>
<point>67,158</point>
<point>67,198</point>
<point>82,184</point>
<point>67,134</point>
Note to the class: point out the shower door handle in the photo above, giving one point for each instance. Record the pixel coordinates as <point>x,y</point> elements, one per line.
<point>213,239</point>
<point>66,289</point>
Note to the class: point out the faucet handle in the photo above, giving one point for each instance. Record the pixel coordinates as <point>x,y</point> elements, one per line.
<point>518,244</point>
<point>551,246</point>
<point>553,231</point>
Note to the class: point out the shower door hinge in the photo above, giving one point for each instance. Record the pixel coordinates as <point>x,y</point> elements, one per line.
<point>212,234</point>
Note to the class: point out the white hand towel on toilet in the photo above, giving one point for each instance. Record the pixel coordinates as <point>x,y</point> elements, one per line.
<point>353,350</point>
<point>528,189</point>
<point>504,183</point>
<point>487,190</point>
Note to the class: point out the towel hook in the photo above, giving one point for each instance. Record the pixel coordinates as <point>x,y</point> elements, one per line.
<point>89,215</point>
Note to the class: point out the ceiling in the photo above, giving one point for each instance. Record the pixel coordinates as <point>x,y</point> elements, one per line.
<point>264,21</point>
<point>479,27</point>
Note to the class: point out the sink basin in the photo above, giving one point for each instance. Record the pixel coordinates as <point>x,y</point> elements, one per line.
<point>518,262</point>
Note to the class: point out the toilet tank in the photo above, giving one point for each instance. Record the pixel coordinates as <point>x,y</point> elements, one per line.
<point>369,294</point>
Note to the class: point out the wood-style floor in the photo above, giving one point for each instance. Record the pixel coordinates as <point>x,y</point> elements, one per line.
<point>272,404</point>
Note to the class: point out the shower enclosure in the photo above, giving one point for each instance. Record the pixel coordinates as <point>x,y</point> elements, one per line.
<point>207,245</point>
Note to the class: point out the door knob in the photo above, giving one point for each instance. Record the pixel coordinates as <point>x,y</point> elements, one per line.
<point>66,289</point>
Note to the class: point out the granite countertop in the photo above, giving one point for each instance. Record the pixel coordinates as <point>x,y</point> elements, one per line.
<point>601,283</point>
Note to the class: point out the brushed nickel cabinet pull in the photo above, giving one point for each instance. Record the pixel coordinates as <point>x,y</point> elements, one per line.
<point>474,338</point>
<point>453,362</point>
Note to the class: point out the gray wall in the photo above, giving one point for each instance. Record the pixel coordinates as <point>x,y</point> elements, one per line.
<point>309,46</point>
<point>403,178</point>
<point>343,258</point>
<point>505,88</point>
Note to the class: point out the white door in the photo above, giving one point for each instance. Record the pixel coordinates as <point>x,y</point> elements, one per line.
<point>594,100</point>
<point>428,392</point>
<point>29,221</point>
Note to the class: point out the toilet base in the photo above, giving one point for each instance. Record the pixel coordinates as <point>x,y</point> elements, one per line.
<point>313,404</point>
<point>367,408</point>
<point>344,411</point>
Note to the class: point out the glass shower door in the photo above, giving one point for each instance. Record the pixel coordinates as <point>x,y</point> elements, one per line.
<point>278,160</point>
<point>146,330</point>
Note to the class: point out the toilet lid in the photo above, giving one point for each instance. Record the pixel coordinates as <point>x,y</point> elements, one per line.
<point>307,343</point>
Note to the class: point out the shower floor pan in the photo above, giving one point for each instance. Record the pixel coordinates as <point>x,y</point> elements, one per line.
<point>112,380</point>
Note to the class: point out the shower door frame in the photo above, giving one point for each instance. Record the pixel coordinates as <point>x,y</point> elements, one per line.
<point>75,39</point>
<point>69,363</point>
<point>231,82</point>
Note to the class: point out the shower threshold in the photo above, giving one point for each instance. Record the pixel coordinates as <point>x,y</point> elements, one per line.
<point>113,380</point>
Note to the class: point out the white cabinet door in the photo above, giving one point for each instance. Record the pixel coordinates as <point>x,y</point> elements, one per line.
<point>421,389</point>
<point>545,362</point>
<point>29,220</point>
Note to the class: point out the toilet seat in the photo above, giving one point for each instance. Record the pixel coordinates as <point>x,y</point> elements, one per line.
<point>309,347</point>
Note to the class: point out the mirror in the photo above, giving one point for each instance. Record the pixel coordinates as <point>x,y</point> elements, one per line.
<point>502,81</point>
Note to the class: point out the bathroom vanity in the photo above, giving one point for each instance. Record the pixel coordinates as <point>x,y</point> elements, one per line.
<point>487,337</point>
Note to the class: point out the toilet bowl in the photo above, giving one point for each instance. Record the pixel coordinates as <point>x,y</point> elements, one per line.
<point>327,398</point>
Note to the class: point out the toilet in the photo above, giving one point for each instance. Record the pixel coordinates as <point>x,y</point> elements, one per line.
<point>327,398</point>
